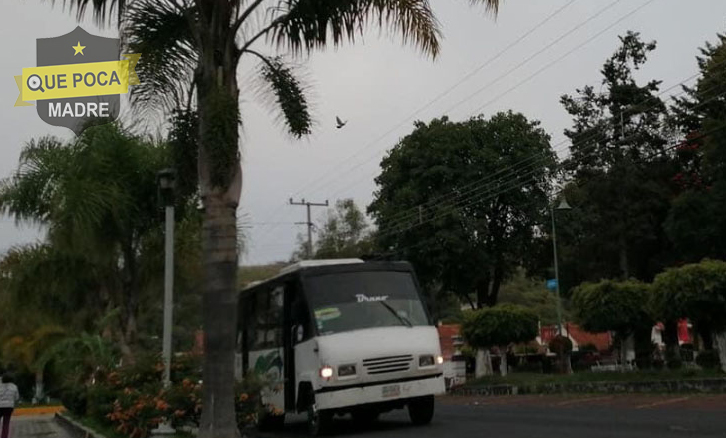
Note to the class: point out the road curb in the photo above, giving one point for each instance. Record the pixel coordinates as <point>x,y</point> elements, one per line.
<point>686,386</point>
<point>76,428</point>
<point>41,410</point>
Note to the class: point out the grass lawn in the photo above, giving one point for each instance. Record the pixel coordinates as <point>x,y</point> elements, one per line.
<point>522,379</point>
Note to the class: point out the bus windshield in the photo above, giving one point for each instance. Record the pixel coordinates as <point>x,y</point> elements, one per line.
<point>357,300</point>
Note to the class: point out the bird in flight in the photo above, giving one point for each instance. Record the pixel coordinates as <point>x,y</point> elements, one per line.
<point>339,122</point>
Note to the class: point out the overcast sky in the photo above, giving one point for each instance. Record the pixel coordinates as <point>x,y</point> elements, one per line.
<point>381,87</point>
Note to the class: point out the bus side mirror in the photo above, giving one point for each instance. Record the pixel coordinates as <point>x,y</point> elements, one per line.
<point>298,333</point>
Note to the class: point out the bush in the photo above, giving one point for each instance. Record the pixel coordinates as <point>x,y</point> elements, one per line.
<point>75,400</point>
<point>248,401</point>
<point>708,360</point>
<point>100,399</point>
<point>131,398</point>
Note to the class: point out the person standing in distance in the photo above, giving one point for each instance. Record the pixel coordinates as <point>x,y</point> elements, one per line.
<point>9,397</point>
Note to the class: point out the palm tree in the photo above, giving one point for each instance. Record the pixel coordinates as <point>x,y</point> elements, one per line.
<point>97,197</point>
<point>190,52</point>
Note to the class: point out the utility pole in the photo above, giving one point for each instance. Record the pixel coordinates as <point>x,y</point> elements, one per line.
<point>309,223</point>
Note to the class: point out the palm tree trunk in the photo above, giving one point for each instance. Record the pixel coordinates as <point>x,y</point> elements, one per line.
<point>220,179</point>
<point>220,320</point>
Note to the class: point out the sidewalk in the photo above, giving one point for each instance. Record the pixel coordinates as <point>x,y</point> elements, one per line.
<point>36,426</point>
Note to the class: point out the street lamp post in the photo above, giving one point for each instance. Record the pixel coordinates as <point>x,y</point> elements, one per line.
<point>563,206</point>
<point>167,183</point>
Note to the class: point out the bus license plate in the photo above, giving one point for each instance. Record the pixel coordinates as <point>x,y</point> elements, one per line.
<point>391,391</point>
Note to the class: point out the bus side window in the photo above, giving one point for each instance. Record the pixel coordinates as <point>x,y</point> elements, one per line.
<point>268,319</point>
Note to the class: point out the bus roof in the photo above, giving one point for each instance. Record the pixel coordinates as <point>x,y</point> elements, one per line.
<point>302,265</point>
<point>311,263</point>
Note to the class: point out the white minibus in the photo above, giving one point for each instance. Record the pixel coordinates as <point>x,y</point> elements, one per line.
<point>340,337</point>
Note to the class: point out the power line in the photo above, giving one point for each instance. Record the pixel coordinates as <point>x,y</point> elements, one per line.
<point>417,210</point>
<point>546,67</point>
<point>508,170</point>
<point>472,197</point>
<point>580,183</point>
<point>510,71</point>
<point>441,95</point>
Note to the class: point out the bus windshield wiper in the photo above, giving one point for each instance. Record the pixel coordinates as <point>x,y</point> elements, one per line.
<point>401,318</point>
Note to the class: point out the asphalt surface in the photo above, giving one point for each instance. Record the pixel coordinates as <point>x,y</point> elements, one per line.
<point>621,416</point>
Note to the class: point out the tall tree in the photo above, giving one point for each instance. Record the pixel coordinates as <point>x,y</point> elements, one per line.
<point>620,174</point>
<point>196,46</point>
<point>432,208</point>
<point>695,220</point>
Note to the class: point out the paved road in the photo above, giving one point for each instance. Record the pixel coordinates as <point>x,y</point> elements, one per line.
<point>550,417</point>
<point>36,426</point>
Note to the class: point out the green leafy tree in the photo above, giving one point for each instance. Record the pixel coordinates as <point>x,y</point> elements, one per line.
<point>499,326</point>
<point>431,207</point>
<point>191,53</point>
<point>694,222</point>
<point>344,234</point>
<point>619,306</point>
<point>696,291</point>
<point>619,174</point>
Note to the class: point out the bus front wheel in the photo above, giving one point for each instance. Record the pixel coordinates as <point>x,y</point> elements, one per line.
<point>318,421</point>
<point>421,410</point>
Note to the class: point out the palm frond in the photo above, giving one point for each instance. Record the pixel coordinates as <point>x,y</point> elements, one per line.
<point>103,11</point>
<point>491,6</point>
<point>29,194</point>
<point>304,25</point>
<point>162,33</point>
<point>288,93</point>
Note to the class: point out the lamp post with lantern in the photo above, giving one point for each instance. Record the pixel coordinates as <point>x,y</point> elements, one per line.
<point>167,183</point>
<point>562,206</point>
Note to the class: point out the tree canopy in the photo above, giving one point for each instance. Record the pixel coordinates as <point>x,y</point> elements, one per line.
<point>440,205</point>
<point>696,291</point>
<point>619,174</point>
<point>499,326</point>
<point>612,306</point>
<point>694,223</point>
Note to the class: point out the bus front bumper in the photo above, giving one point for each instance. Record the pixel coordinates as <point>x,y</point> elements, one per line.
<point>333,397</point>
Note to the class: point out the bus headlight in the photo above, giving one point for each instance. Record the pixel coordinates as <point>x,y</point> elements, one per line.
<point>426,360</point>
<point>440,360</point>
<point>326,372</point>
<point>346,370</point>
